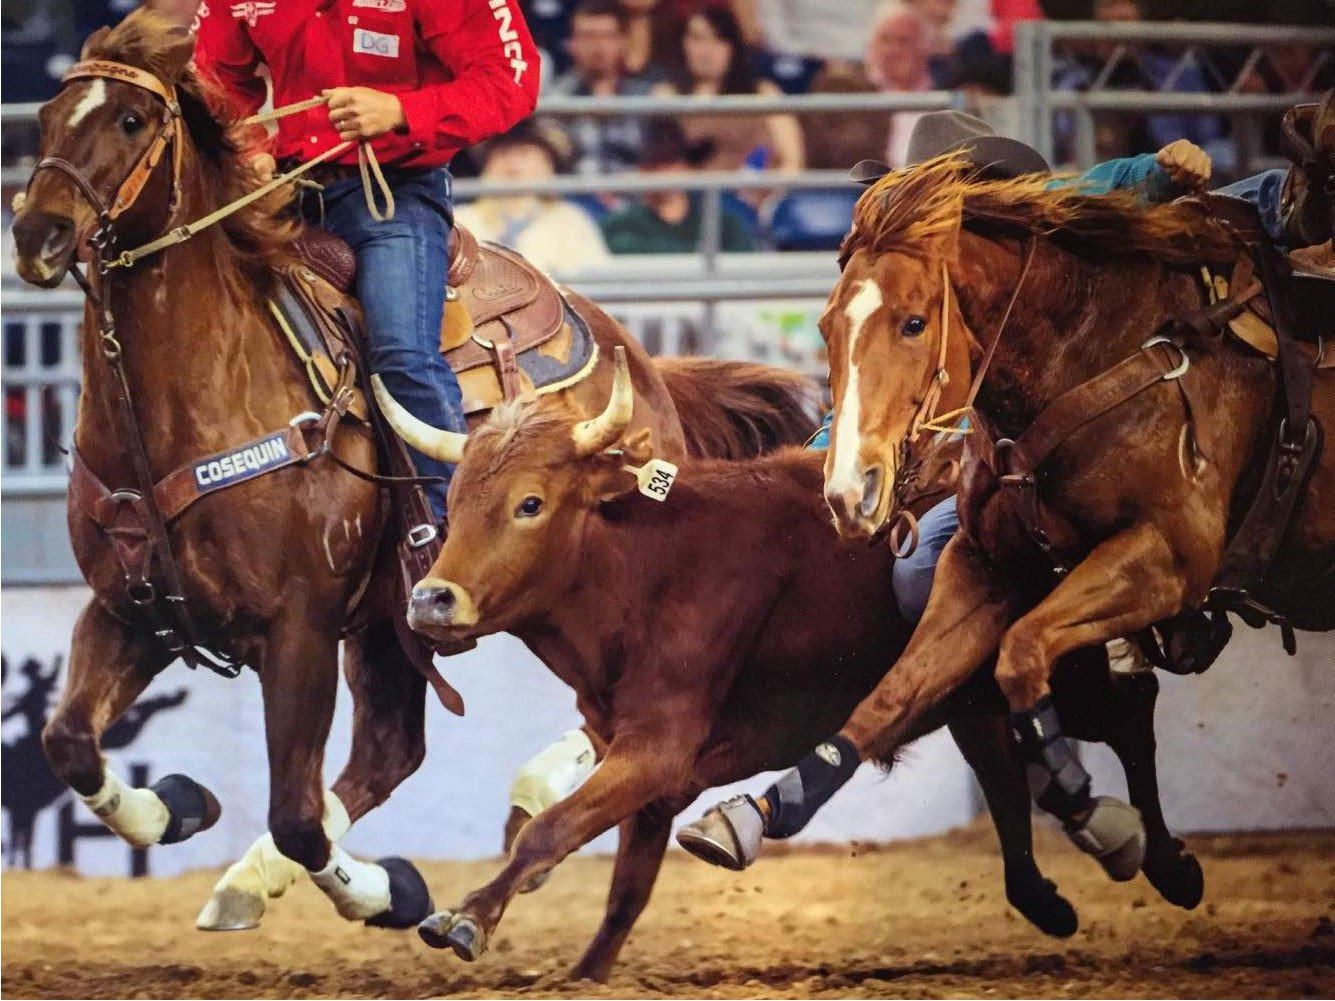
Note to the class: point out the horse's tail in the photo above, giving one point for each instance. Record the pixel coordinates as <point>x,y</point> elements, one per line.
<point>738,410</point>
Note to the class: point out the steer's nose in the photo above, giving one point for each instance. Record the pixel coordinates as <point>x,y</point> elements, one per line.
<point>439,604</point>
<point>855,505</point>
<point>43,246</point>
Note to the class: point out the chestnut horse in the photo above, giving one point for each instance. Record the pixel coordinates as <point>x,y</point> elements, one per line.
<point>943,268</point>
<point>278,565</point>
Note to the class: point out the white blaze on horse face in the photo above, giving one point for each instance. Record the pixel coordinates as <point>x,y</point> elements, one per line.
<point>846,466</point>
<point>95,97</point>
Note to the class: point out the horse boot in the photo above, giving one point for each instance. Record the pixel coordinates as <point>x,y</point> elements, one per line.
<point>1103,826</point>
<point>1307,137</point>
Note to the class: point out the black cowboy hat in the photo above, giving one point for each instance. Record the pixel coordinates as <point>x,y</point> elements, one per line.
<point>939,132</point>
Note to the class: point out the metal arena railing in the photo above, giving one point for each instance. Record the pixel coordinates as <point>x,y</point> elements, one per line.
<point>708,302</point>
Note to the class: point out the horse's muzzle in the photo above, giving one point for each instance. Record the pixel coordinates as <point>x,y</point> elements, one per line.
<point>44,245</point>
<point>438,607</point>
<point>858,512</point>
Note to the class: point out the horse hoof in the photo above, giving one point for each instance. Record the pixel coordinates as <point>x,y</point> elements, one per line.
<point>409,899</point>
<point>1114,834</point>
<point>460,932</point>
<point>1044,908</point>
<point>728,835</point>
<point>1177,876</point>
<point>191,807</point>
<point>231,910</point>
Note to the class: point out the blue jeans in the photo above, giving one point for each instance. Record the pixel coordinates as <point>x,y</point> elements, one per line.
<point>401,268</point>
<point>912,576</point>
<point>1263,191</point>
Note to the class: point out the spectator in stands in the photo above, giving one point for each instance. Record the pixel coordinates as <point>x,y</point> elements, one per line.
<point>936,17</point>
<point>1145,69</point>
<point>552,233</point>
<point>897,60</point>
<point>646,30</point>
<point>835,139</point>
<point>549,24</point>
<point>714,61</point>
<point>672,222</point>
<point>597,46</point>
<point>795,39</point>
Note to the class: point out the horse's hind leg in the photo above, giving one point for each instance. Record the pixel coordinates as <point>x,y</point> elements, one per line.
<point>388,745</point>
<point>986,745</point>
<point>299,677</point>
<point>110,665</point>
<point>642,841</point>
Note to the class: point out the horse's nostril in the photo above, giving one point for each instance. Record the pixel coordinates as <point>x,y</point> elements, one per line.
<point>871,491</point>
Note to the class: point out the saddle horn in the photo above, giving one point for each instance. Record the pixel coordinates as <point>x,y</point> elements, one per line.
<point>605,430</point>
<point>447,446</point>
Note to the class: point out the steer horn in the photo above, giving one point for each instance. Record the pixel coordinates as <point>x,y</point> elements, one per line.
<point>447,446</point>
<point>605,430</point>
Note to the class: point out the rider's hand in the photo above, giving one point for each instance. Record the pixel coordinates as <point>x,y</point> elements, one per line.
<point>1187,164</point>
<point>363,113</point>
<point>264,165</point>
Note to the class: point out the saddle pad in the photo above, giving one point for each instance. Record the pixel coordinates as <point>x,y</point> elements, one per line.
<point>561,360</point>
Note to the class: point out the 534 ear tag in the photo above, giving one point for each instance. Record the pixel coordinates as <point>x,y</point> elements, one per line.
<point>655,478</point>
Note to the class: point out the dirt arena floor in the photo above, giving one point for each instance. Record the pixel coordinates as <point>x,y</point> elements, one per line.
<point>924,919</point>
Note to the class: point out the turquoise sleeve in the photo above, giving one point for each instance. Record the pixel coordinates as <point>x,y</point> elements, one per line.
<point>1141,173</point>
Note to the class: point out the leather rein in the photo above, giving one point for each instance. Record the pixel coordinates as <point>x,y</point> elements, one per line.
<point>136,519</point>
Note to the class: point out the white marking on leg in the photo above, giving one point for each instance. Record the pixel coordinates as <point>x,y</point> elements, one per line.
<point>95,97</point>
<point>553,773</point>
<point>137,815</point>
<point>846,466</point>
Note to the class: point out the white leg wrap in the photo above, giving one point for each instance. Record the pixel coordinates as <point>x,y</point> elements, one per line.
<point>137,815</point>
<point>553,774</point>
<point>263,873</point>
<point>359,890</point>
<point>1125,658</point>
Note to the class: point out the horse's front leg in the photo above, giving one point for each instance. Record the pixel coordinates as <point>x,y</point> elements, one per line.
<point>654,766</point>
<point>110,665</point>
<point>299,677</point>
<point>1128,582</point>
<point>388,745</point>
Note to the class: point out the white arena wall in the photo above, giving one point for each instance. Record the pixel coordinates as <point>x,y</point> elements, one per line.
<point>1245,747</point>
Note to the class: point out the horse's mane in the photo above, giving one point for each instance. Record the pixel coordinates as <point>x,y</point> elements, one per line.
<point>905,210</point>
<point>259,235</point>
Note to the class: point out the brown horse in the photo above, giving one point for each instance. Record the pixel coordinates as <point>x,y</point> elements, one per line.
<point>273,565</point>
<point>942,267</point>
<point>693,672</point>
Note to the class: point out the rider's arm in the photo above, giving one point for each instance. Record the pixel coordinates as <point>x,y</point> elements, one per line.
<point>225,55</point>
<point>1177,169</point>
<point>495,68</point>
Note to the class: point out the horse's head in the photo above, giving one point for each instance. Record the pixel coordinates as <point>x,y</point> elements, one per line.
<point>108,138</point>
<point>897,343</point>
<point>520,499</point>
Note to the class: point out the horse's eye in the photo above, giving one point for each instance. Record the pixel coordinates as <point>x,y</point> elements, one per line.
<point>131,122</point>
<point>529,507</point>
<point>914,326</point>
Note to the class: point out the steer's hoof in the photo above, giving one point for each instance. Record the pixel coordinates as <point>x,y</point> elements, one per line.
<point>1040,903</point>
<point>728,835</point>
<point>459,932</point>
<point>192,808</point>
<point>1177,876</point>
<point>1114,834</point>
<point>231,910</point>
<point>409,898</point>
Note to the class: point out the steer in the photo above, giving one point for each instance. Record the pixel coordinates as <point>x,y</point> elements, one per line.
<point>709,634</point>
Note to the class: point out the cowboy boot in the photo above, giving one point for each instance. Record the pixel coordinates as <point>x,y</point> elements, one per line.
<point>1307,137</point>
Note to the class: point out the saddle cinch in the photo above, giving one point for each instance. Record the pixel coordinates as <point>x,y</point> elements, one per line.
<point>507,332</point>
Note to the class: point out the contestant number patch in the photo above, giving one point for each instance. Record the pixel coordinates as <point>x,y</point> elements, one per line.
<point>375,43</point>
<point>655,478</point>
<point>226,468</point>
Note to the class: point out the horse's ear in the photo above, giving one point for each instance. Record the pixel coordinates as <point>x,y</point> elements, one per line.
<point>94,42</point>
<point>181,13</point>
<point>179,47</point>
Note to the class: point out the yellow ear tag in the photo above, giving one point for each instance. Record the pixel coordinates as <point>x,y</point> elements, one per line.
<point>655,478</point>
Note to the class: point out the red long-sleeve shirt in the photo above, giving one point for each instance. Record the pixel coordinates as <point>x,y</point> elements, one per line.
<point>463,70</point>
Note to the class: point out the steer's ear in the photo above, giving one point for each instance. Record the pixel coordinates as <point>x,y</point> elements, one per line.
<point>638,447</point>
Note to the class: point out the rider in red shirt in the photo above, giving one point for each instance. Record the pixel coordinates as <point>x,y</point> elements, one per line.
<point>420,79</point>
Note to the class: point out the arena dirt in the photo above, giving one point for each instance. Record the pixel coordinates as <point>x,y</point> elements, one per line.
<point>923,919</point>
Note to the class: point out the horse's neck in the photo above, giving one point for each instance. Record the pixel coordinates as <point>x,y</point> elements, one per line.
<point>1072,320</point>
<point>199,359</point>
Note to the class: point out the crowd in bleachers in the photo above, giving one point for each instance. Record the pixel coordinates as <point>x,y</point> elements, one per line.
<point>702,48</point>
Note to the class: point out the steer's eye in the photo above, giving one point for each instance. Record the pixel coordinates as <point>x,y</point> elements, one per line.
<point>131,122</point>
<point>914,326</point>
<point>529,507</point>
